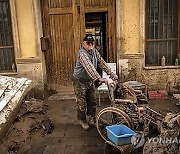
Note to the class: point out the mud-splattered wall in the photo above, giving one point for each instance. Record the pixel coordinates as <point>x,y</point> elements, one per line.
<point>26,30</point>
<point>131,26</point>
<point>131,43</point>
<point>30,59</point>
<point>156,78</point>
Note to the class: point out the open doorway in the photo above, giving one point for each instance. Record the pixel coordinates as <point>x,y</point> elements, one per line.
<point>95,23</point>
<point>71,25</point>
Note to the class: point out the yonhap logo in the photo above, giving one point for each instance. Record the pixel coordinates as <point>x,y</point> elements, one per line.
<point>138,140</point>
<point>164,140</point>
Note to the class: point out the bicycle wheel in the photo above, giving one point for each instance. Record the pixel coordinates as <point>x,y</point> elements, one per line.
<point>111,116</point>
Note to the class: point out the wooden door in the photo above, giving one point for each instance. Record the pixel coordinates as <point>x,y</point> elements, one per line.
<point>60,18</point>
<point>64,26</point>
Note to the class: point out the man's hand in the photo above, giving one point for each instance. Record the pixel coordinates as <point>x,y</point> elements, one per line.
<point>113,76</point>
<point>103,80</point>
<point>99,81</point>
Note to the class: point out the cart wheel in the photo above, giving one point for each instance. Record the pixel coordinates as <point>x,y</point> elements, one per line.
<point>111,116</point>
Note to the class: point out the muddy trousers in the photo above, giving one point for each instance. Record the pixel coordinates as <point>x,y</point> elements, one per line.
<point>85,98</point>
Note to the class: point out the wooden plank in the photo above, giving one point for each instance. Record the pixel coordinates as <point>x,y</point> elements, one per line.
<point>82,20</point>
<point>76,25</point>
<point>67,46</point>
<point>113,24</point>
<point>60,3</point>
<point>96,9</point>
<point>46,33</point>
<point>52,59</point>
<point>111,32</point>
<point>5,47</point>
<point>60,11</point>
<point>2,89</point>
<point>5,100</point>
<point>76,42</point>
<point>92,3</point>
<point>161,40</point>
<point>58,47</point>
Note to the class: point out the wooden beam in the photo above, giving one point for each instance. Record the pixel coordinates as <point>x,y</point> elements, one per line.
<point>6,47</point>
<point>60,10</point>
<point>2,89</point>
<point>96,9</point>
<point>82,20</point>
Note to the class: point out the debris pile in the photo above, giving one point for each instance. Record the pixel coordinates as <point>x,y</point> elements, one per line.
<point>32,124</point>
<point>177,96</point>
<point>12,93</point>
<point>169,139</point>
<point>12,89</point>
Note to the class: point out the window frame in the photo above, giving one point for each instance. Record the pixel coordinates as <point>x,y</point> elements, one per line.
<point>15,36</point>
<point>144,33</point>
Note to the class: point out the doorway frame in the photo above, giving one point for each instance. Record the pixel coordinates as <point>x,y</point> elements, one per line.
<point>111,37</point>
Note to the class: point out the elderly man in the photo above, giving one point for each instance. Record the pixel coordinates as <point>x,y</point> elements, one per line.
<point>85,75</point>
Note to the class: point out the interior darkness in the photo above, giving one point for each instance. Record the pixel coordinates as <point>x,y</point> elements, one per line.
<point>96,24</point>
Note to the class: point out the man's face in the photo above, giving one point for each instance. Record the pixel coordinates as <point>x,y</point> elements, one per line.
<point>88,45</point>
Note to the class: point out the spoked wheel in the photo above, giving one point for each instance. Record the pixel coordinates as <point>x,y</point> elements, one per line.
<point>111,116</point>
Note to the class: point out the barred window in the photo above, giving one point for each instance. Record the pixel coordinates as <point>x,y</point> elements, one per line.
<point>161,31</point>
<point>7,58</point>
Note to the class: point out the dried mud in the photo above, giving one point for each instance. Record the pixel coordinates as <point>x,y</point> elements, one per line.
<point>30,126</point>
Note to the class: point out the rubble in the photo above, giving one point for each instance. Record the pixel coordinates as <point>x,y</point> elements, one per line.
<point>12,93</point>
<point>31,123</point>
<point>177,96</point>
<point>169,139</point>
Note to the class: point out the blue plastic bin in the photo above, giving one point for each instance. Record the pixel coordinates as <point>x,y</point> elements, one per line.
<point>119,134</point>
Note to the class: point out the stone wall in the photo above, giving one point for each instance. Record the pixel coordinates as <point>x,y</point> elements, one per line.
<point>156,78</point>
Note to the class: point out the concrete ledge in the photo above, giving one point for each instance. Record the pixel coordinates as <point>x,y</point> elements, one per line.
<point>28,60</point>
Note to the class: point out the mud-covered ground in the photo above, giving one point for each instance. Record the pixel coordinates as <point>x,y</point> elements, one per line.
<point>32,123</point>
<point>30,126</point>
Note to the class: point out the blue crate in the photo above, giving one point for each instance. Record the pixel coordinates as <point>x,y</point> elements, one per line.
<point>119,134</point>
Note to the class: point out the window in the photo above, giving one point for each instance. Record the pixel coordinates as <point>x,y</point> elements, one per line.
<point>161,31</point>
<point>7,58</point>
